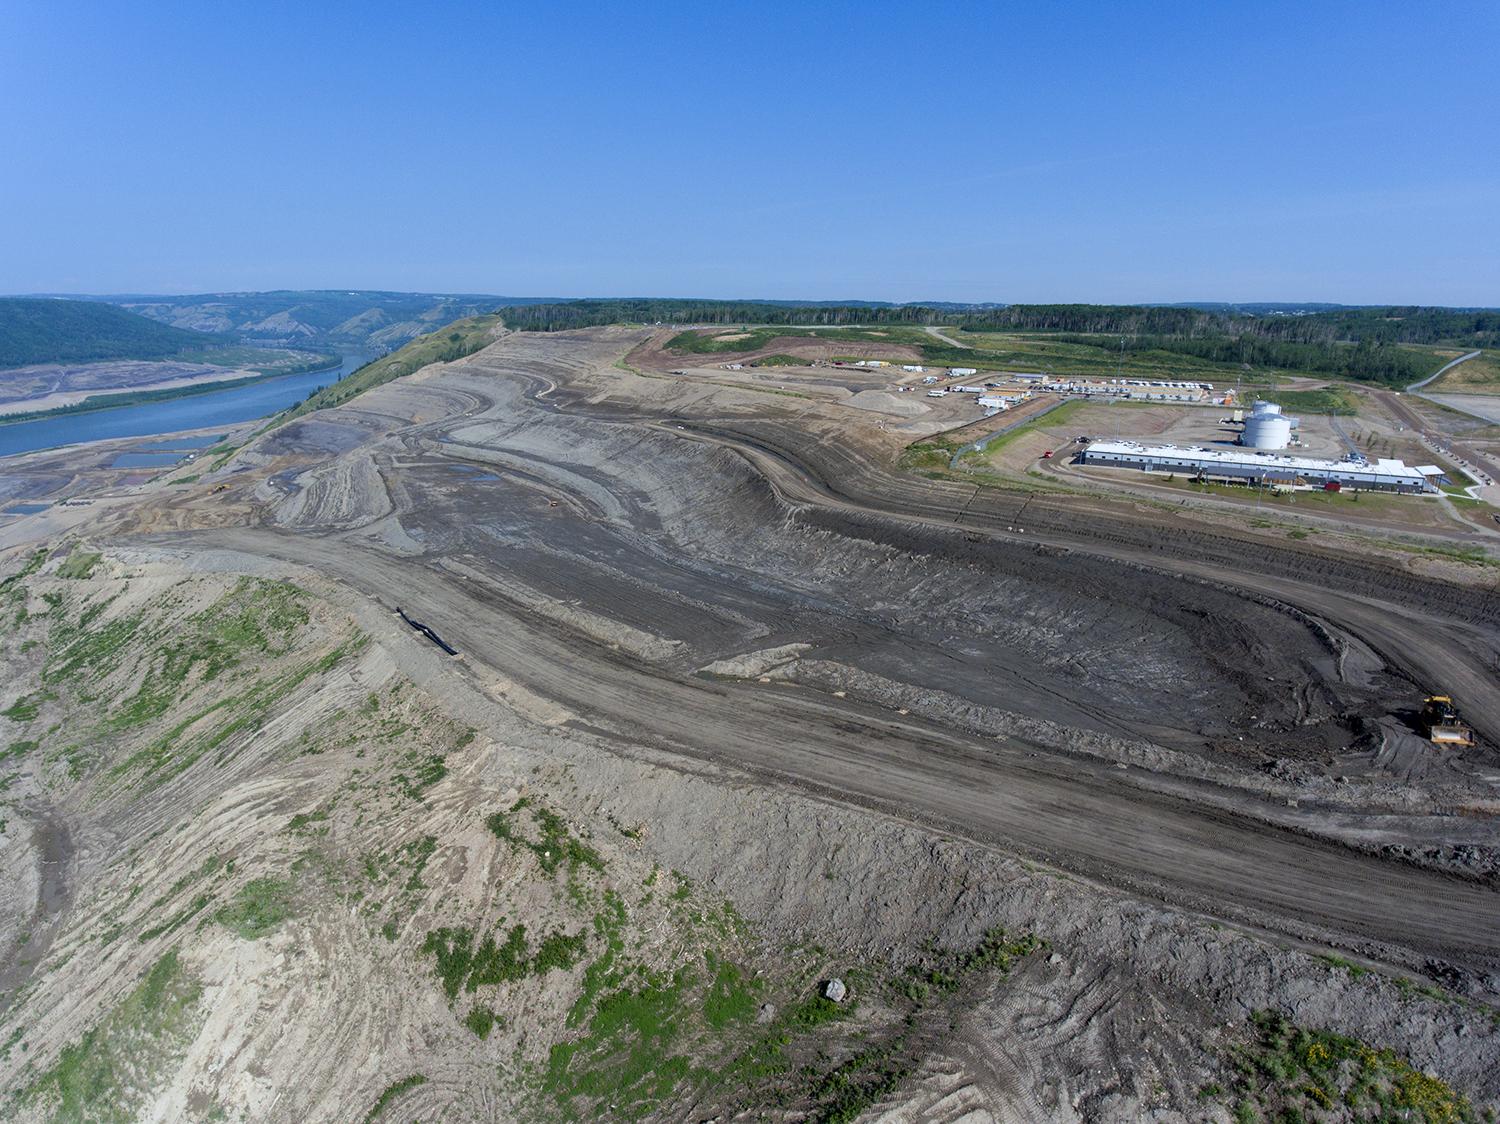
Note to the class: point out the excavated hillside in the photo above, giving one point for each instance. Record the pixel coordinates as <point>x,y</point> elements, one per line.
<point>1090,828</point>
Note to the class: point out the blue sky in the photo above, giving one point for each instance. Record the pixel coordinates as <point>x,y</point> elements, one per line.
<point>1040,152</point>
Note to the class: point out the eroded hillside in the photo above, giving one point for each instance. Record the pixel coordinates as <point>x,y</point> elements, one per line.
<point>714,737</point>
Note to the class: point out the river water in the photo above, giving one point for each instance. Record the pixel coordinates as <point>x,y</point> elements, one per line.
<point>196,411</point>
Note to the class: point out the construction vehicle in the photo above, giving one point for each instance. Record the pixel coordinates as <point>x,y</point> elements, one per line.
<point>1443,726</point>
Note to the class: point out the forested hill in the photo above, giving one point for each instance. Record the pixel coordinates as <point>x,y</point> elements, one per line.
<point>64,331</point>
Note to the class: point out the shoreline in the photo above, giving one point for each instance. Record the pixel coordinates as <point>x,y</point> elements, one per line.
<point>96,401</point>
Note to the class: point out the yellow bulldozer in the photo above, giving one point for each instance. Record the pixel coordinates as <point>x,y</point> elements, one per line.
<point>1443,726</point>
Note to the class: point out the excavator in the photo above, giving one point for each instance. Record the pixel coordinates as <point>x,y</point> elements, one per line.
<point>1443,726</point>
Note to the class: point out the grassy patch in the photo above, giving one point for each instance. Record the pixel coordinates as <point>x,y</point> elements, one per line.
<point>461,965</point>
<point>626,1058</point>
<point>11,586</point>
<point>18,749</point>
<point>392,1091</point>
<point>1328,400</point>
<point>1290,1073</point>
<point>555,848</point>
<point>731,995</point>
<point>105,1075</point>
<point>259,907</point>
<point>24,709</point>
<point>79,564</point>
<point>929,454</point>
<point>481,1020</point>
<point>1055,416</point>
<point>425,771</point>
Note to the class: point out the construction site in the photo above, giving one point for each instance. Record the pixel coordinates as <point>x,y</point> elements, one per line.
<point>727,683</point>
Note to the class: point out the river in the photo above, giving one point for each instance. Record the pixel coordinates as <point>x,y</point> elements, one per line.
<point>195,411</point>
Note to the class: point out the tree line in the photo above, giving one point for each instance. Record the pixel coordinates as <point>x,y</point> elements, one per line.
<point>1366,361</point>
<point>1386,325</point>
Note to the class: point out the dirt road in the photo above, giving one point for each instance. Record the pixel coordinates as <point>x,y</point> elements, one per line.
<point>1084,818</point>
<point>588,523</point>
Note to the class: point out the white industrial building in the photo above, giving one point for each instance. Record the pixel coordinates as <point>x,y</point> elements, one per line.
<point>1259,468</point>
<point>957,372</point>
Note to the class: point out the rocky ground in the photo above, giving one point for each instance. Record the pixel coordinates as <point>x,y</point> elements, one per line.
<point>1089,830</point>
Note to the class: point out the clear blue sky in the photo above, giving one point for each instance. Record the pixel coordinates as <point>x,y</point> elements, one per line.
<point>1097,151</point>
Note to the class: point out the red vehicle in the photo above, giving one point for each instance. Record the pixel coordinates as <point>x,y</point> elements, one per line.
<point>1047,456</point>
<point>1333,486</point>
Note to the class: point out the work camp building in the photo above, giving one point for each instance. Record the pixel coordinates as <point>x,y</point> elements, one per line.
<point>1248,466</point>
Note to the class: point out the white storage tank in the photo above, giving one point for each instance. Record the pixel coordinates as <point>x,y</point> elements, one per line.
<point>1267,428</point>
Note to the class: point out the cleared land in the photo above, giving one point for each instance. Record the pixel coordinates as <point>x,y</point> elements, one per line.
<point>740,705</point>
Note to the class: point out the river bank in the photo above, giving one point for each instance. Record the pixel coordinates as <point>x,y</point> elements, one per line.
<point>193,408</point>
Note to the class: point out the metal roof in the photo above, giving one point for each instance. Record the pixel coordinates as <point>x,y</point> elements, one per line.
<point>1268,462</point>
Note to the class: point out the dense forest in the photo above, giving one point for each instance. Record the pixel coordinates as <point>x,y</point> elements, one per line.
<point>64,331</point>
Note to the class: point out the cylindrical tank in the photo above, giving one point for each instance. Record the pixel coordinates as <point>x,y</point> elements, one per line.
<point>1266,428</point>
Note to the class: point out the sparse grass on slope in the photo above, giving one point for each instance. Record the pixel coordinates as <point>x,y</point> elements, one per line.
<point>461,338</point>
<point>1289,1073</point>
<point>104,1076</point>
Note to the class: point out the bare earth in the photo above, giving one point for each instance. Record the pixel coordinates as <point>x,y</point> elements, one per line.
<point>811,715</point>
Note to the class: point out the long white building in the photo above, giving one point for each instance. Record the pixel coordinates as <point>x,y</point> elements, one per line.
<point>1262,468</point>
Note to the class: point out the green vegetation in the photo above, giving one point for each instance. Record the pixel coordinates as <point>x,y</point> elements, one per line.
<point>258,908</point>
<point>931,454</point>
<point>1290,1073</point>
<point>80,564</point>
<point>1329,400</point>
<point>1056,416</point>
<point>1366,361</point>
<point>1364,344</point>
<point>343,317</point>
<point>779,361</point>
<point>731,994</point>
<point>18,750</point>
<point>460,965</point>
<point>103,1077</point>
<point>247,631</point>
<point>589,313</point>
<point>640,1029</point>
<point>427,769</point>
<point>75,331</point>
<point>461,338</point>
<point>256,619</point>
<point>626,1058</point>
<point>178,919</point>
<point>481,1020</point>
<point>12,586</point>
<point>1480,375</point>
<point>556,847</point>
<point>392,1091</point>
<point>24,709</point>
